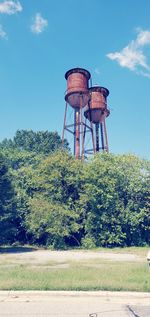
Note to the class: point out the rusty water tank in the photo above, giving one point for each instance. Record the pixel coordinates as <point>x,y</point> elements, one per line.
<point>97,109</point>
<point>77,93</point>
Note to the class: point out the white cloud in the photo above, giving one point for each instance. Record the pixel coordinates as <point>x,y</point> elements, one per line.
<point>143,37</point>
<point>129,57</point>
<point>2,33</point>
<point>10,7</point>
<point>132,56</point>
<point>39,24</point>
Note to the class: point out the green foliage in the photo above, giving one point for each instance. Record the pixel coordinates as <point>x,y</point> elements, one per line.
<point>39,142</point>
<point>51,223</point>
<point>114,200</point>
<point>88,242</point>
<point>7,204</point>
<point>17,159</point>
<point>58,180</point>
<point>50,198</point>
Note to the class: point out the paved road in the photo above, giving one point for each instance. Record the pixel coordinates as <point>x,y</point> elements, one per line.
<point>140,311</point>
<point>74,304</point>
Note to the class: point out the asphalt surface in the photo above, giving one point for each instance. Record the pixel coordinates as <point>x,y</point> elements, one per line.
<point>74,304</point>
<point>138,311</point>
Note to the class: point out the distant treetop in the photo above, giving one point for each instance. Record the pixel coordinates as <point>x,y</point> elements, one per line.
<point>39,142</point>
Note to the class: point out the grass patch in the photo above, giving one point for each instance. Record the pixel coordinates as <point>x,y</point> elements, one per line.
<point>108,276</point>
<point>93,274</point>
<point>140,251</point>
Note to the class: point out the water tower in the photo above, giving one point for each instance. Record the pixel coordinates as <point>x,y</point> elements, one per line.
<point>96,112</point>
<point>77,97</point>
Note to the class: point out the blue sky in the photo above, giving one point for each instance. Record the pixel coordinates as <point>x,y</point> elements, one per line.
<point>41,39</point>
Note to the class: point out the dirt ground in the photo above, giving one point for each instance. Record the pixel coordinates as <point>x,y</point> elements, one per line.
<point>44,256</point>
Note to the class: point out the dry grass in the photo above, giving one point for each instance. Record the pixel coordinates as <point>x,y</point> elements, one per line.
<point>92,274</point>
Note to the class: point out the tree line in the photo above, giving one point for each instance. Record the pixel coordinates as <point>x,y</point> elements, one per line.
<point>49,198</point>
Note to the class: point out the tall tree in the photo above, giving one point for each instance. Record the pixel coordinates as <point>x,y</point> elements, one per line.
<point>54,193</point>
<point>115,201</point>
<point>39,142</point>
<point>7,205</point>
<point>44,142</point>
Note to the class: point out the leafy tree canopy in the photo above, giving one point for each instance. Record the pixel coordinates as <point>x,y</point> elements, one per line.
<point>39,142</point>
<point>7,204</point>
<point>50,198</point>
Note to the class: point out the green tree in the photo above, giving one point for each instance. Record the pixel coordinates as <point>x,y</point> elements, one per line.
<point>51,223</point>
<point>39,142</point>
<point>113,201</point>
<point>58,181</point>
<point>54,199</point>
<point>137,206</point>
<point>8,229</point>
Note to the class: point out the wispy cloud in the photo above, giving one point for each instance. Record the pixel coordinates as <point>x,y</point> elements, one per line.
<point>39,24</point>
<point>132,56</point>
<point>3,34</point>
<point>10,7</point>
